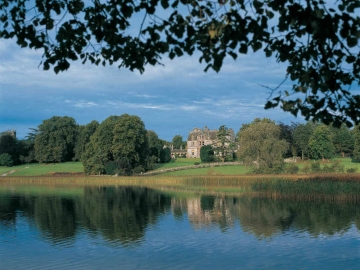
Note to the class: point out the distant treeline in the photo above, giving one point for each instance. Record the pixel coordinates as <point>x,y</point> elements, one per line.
<point>121,144</point>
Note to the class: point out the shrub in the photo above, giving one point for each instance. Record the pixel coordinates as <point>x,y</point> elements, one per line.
<point>121,167</point>
<point>292,169</point>
<point>351,170</point>
<point>165,155</point>
<point>196,163</point>
<point>278,169</point>
<point>153,151</point>
<point>336,166</point>
<point>138,169</point>
<point>6,160</point>
<point>111,167</point>
<point>315,167</point>
<point>306,169</point>
<point>207,153</point>
<point>327,169</point>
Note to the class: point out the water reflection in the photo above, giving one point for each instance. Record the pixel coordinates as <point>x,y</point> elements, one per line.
<point>123,214</point>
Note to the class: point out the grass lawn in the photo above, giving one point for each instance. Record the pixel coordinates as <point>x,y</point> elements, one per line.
<point>177,163</point>
<point>344,161</point>
<point>41,169</point>
<point>76,167</point>
<point>212,171</point>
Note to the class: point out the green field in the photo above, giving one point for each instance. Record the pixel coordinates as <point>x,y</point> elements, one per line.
<point>76,167</point>
<point>212,171</point>
<point>43,169</point>
<point>177,163</point>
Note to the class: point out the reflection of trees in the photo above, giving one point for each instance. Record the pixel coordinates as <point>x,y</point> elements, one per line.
<point>122,214</point>
<point>8,207</point>
<point>266,217</point>
<point>119,214</point>
<point>55,217</point>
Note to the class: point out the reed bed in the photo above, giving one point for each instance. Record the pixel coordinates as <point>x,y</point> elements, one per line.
<point>305,187</point>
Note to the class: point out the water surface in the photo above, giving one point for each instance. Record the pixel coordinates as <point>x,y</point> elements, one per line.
<point>142,228</point>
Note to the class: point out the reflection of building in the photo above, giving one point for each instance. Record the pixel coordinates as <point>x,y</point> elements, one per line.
<point>199,217</point>
<point>199,137</point>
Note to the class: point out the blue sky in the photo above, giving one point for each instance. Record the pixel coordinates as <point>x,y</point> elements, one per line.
<point>170,99</point>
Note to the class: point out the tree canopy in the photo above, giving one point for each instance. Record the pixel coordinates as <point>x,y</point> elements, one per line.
<point>260,145</point>
<point>55,139</point>
<point>118,138</point>
<point>321,143</point>
<point>317,40</point>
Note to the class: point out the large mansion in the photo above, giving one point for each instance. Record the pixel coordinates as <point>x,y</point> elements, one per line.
<point>199,137</point>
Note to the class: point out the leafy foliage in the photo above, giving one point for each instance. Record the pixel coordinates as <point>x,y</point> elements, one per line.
<point>9,145</point>
<point>301,136</point>
<point>261,147</point>
<point>118,138</point>
<point>292,169</point>
<point>343,140</point>
<point>177,141</point>
<point>6,160</point>
<point>55,139</point>
<point>83,137</point>
<point>356,136</point>
<point>155,144</point>
<point>320,143</point>
<point>121,167</point>
<point>316,39</point>
<point>165,155</point>
<point>222,143</point>
<point>207,153</point>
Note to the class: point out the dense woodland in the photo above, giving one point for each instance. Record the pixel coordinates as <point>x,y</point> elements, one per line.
<point>122,145</point>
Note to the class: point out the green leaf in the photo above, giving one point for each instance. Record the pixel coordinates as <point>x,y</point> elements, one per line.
<point>243,48</point>
<point>233,55</point>
<point>165,4</point>
<point>56,69</point>
<point>351,41</point>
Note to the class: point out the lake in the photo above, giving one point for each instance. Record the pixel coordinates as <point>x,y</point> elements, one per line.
<point>134,227</point>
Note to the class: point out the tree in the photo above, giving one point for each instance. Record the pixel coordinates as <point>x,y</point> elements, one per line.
<point>177,141</point>
<point>320,143</point>
<point>28,155</point>
<point>222,142</point>
<point>83,137</point>
<point>316,39</point>
<point>259,145</point>
<point>155,144</point>
<point>130,142</point>
<point>207,153</point>
<point>343,140</point>
<point>165,155</point>
<point>356,135</point>
<point>9,145</point>
<point>55,139</point>
<point>301,137</point>
<point>118,138</point>
<point>286,133</point>
<point>6,160</point>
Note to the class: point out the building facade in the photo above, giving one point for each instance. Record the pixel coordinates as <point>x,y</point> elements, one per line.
<point>199,137</point>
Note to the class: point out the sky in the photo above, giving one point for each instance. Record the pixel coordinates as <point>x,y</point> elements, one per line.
<point>171,99</point>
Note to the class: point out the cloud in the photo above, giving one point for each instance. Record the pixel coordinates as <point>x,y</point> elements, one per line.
<point>170,98</point>
<point>84,104</point>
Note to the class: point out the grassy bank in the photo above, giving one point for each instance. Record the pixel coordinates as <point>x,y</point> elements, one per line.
<point>36,169</point>
<point>76,167</point>
<point>305,187</point>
